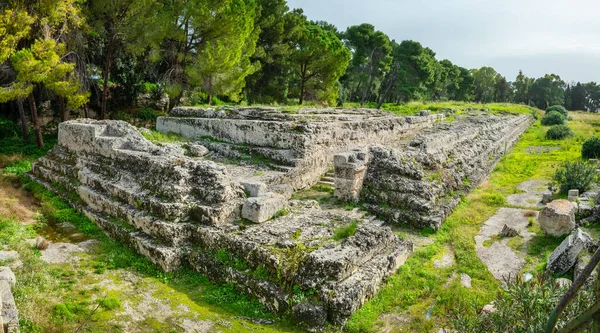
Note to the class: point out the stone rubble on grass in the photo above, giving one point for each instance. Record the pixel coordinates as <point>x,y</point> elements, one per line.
<point>563,283</point>
<point>508,232</point>
<point>465,280</point>
<point>447,260</point>
<point>573,195</point>
<point>11,258</point>
<point>558,217</point>
<point>546,197</point>
<point>565,255</point>
<point>582,261</point>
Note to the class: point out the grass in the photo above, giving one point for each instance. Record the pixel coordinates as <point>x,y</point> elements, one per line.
<point>412,108</point>
<point>345,231</point>
<point>158,137</point>
<point>417,287</point>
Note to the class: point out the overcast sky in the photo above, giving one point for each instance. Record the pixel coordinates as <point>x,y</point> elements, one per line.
<point>537,36</point>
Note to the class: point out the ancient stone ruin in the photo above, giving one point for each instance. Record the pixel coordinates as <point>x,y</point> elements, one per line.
<point>221,202</point>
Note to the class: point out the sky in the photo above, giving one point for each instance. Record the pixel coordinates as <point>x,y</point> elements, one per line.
<point>536,36</point>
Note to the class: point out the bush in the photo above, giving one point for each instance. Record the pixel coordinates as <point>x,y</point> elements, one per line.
<point>591,148</point>
<point>553,118</point>
<point>576,175</point>
<point>523,307</point>
<point>558,132</point>
<point>8,129</point>
<point>558,108</point>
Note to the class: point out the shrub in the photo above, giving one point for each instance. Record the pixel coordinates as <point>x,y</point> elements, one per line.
<point>558,132</point>
<point>8,129</point>
<point>558,108</point>
<point>591,148</point>
<point>553,118</point>
<point>576,175</point>
<point>523,307</point>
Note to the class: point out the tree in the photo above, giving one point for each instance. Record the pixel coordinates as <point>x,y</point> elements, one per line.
<point>484,82</point>
<point>522,86</point>
<point>592,102</point>
<point>319,59</point>
<point>578,96</point>
<point>416,70</point>
<point>118,26</point>
<point>371,57</point>
<point>464,91</point>
<point>278,27</point>
<point>447,81</point>
<point>206,44</point>
<point>41,60</point>
<point>503,90</point>
<point>548,90</point>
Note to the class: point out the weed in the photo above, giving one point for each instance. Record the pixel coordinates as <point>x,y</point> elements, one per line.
<point>345,231</point>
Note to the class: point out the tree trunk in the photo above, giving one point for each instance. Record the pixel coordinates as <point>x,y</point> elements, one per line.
<point>24,128</point>
<point>209,99</point>
<point>86,111</point>
<point>36,122</point>
<point>301,99</point>
<point>63,109</point>
<point>109,51</point>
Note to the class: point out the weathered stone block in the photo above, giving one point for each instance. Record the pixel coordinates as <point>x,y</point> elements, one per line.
<point>582,261</point>
<point>262,209</point>
<point>565,255</point>
<point>350,170</point>
<point>573,195</point>
<point>546,197</point>
<point>254,188</point>
<point>6,274</point>
<point>558,217</point>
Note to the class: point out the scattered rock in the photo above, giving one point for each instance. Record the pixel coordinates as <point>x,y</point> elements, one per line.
<point>563,283</point>
<point>508,232</point>
<point>41,243</point>
<point>425,113</point>
<point>489,308</point>
<point>254,188</point>
<point>546,197</point>
<point>558,217</point>
<point>66,227</point>
<point>446,261</point>
<point>565,255</point>
<point>195,149</point>
<point>465,280</point>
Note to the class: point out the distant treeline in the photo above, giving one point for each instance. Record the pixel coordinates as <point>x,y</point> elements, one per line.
<point>102,54</point>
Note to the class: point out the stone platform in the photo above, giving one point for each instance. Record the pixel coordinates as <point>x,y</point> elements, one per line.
<point>177,210</point>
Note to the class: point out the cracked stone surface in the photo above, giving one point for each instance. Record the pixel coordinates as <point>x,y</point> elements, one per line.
<point>500,259</point>
<point>532,196</point>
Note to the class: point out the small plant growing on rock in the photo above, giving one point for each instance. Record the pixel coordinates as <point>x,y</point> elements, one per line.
<point>558,132</point>
<point>591,148</point>
<point>558,108</point>
<point>345,231</point>
<point>575,175</point>
<point>553,118</point>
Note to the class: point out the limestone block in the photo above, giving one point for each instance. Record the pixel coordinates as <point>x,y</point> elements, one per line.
<point>350,171</point>
<point>6,274</point>
<point>310,315</point>
<point>558,217</point>
<point>573,194</point>
<point>254,188</point>
<point>10,315</point>
<point>546,197</point>
<point>196,150</point>
<point>261,209</point>
<point>565,255</point>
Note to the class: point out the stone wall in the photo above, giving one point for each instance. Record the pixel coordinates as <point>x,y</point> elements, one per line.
<point>9,318</point>
<point>305,140</point>
<point>420,182</point>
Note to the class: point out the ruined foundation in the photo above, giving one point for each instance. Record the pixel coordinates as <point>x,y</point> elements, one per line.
<point>220,203</point>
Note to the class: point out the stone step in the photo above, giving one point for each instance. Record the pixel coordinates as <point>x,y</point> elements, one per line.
<point>328,179</point>
<point>326,183</point>
<point>330,174</point>
<point>282,168</point>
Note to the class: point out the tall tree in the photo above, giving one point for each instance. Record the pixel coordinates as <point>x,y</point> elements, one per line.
<point>484,82</point>
<point>416,71</point>
<point>578,96</point>
<point>522,86</point>
<point>319,59</point>
<point>502,90</point>
<point>371,57</point>
<point>548,90</point>
<point>207,44</point>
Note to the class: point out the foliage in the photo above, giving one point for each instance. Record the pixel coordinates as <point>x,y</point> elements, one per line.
<point>553,118</point>
<point>8,129</point>
<point>558,108</point>
<point>558,132</point>
<point>521,307</point>
<point>591,148</point>
<point>345,231</point>
<point>576,175</point>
